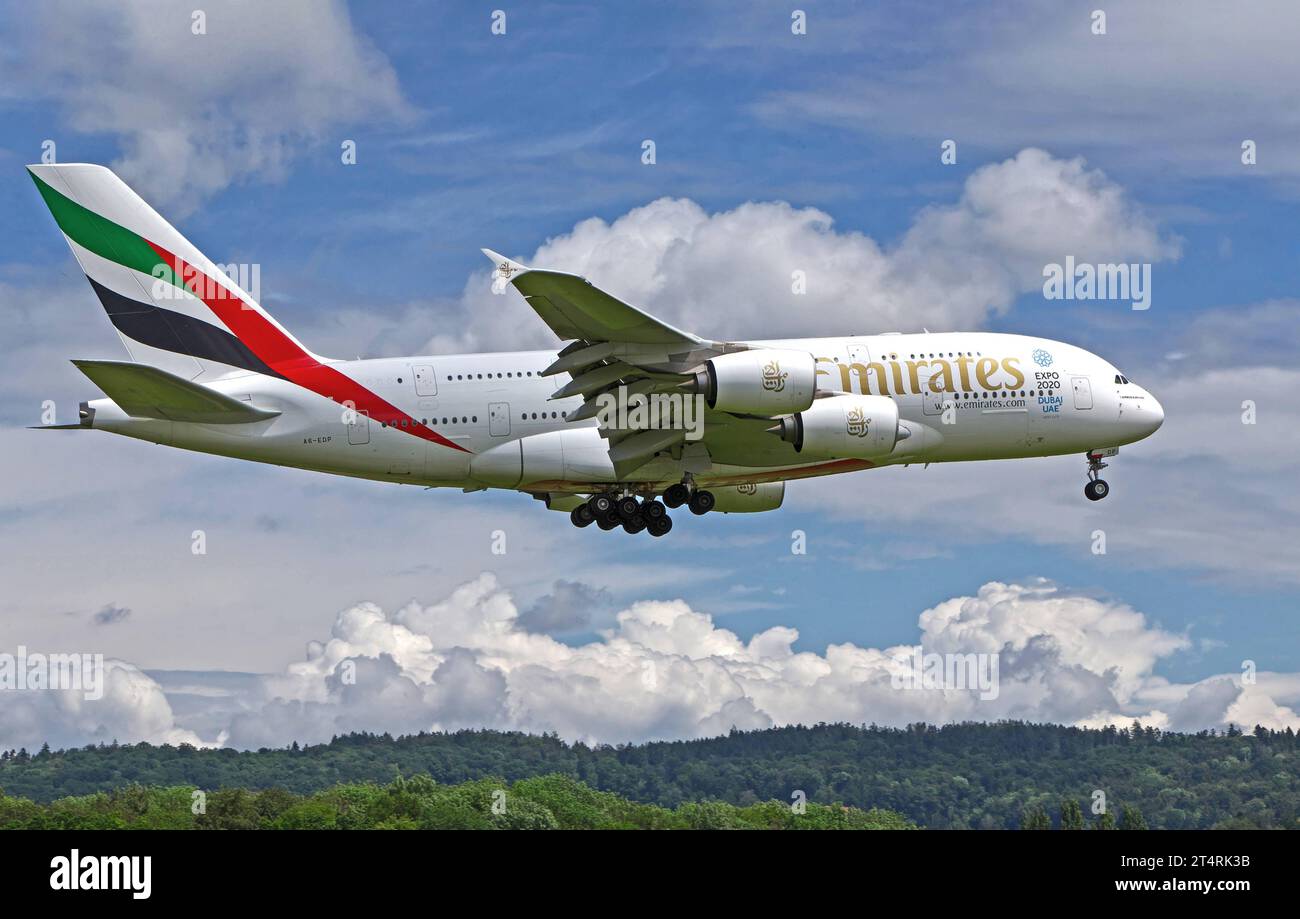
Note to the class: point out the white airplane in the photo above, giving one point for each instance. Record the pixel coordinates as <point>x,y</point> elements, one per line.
<point>630,418</point>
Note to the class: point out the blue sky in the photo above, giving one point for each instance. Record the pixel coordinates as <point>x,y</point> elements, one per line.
<point>468,139</point>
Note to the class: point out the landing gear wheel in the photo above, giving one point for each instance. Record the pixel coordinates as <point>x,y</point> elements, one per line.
<point>677,495</point>
<point>653,510</point>
<point>628,507</point>
<point>1096,489</point>
<point>702,502</point>
<point>582,516</point>
<point>634,525</point>
<point>609,520</point>
<point>600,505</point>
<point>660,525</point>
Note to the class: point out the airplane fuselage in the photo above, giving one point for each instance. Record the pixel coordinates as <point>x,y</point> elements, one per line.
<point>961,396</point>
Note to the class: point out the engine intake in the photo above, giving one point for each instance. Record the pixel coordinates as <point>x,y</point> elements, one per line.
<point>844,427</point>
<point>765,381</point>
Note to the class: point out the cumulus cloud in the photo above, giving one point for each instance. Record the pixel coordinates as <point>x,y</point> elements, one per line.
<point>196,113</point>
<point>730,274</point>
<point>132,708</point>
<point>666,670</point>
<point>568,607</point>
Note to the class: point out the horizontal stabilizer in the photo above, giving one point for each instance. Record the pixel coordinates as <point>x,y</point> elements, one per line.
<point>148,392</point>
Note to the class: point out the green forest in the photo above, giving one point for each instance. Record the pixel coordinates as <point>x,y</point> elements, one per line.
<point>552,802</point>
<point>1007,775</point>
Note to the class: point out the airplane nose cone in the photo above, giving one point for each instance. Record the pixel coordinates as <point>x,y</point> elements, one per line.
<point>1146,416</point>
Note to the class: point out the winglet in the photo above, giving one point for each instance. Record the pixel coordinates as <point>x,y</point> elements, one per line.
<point>506,269</point>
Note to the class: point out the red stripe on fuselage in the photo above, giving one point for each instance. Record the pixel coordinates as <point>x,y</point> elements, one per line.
<point>279,352</point>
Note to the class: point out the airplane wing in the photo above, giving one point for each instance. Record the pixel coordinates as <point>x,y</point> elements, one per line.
<point>149,392</point>
<point>612,344</point>
<point>576,309</point>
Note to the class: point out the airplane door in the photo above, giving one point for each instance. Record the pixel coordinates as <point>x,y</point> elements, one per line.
<point>426,382</point>
<point>931,402</point>
<point>359,429</point>
<point>498,418</point>
<point>858,354</point>
<point>1082,392</point>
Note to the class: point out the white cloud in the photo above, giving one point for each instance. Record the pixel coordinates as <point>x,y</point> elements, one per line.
<point>666,670</point>
<point>196,113</point>
<point>729,274</point>
<point>132,708</point>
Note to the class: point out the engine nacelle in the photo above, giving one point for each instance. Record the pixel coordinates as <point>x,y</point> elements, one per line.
<point>748,499</point>
<point>765,381</point>
<point>845,427</point>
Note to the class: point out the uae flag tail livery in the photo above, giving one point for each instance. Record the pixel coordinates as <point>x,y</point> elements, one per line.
<point>178,312</point>
<point>172,306</point>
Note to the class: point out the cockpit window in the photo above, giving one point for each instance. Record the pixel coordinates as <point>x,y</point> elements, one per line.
<point>1120,378</point>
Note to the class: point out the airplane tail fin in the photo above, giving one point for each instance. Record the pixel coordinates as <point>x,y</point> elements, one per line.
<point>173,307</point>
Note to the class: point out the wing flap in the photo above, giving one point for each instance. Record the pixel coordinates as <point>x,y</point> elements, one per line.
<point>634,451</point>
<point>149,392</point>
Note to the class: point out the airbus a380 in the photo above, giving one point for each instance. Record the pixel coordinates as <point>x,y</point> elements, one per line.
<point>629,418</point>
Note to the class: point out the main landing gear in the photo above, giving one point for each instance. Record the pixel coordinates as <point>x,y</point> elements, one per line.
<point>1096,489</point>
<point>699,500</point>
<point>634,514</point>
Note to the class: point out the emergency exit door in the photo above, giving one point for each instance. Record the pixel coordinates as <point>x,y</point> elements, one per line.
<point>359,428</point>
<point>426,383</point>
<point>498,418</point>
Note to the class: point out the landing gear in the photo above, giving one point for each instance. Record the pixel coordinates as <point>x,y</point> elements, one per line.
<point>629,508</point>
<point>1096,489</point>
<point>609,520</point>
<point>631,514</point>
<point>677,495</point>
<point>702,502</point>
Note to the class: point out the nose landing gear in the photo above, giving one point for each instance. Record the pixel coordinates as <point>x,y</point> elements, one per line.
<point>1096,489</point>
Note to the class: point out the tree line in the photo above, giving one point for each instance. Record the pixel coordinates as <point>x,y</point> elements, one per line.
<point>551,802</point>
<point>978,775</point>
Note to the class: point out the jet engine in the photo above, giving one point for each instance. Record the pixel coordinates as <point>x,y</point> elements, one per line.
<point>844,427</point>
<point>748,499</point>
<point>764,381</point>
